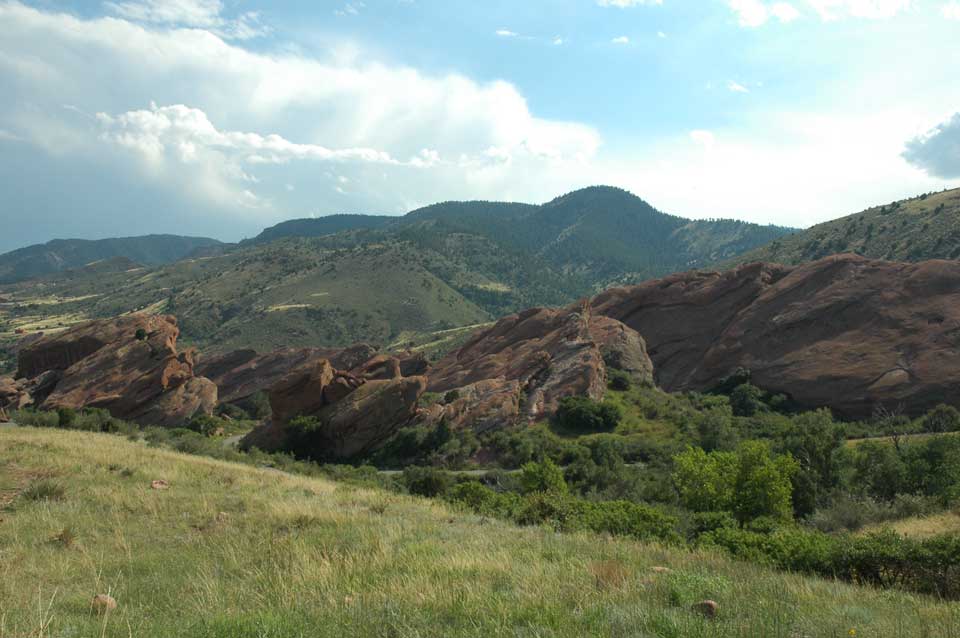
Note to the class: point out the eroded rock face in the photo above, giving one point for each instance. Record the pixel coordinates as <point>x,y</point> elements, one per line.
<point>367,417</point>
<point>243,373</point>
<point>537,356</point>
<point>358,410</point>
<point>845,332</point>
<point>129,366</point>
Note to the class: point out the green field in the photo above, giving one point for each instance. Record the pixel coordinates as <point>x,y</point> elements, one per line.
<point>231,550</point>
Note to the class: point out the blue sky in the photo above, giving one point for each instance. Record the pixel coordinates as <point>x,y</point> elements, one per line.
<point>218,118</point>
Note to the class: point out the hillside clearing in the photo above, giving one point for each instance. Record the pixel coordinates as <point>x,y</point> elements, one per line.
<point>230,550</point>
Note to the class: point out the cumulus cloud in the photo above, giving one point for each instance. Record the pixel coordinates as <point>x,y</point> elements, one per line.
<point>350,9</point>
<point>621,39</point>
<point>703,138</point>
<point>506,33</point>
<point>938,150</point>
<point>234,127</point>
<point>736,87</point>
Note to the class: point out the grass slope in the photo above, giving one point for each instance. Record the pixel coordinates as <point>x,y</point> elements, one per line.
<point>231,550</point>
<point>925,227</point>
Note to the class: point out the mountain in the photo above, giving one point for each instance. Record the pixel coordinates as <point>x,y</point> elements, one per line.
<point>64,254</point>
<point>318,227</point>
<point>917,229</point>
<point>596,235</point>
<point>334,281</point>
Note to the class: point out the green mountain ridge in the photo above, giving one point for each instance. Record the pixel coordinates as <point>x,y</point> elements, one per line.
<point>915,229</point>
<point>387,280</point>
<point>59,255</point>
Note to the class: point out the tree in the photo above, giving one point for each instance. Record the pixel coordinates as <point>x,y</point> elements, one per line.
<point>746,400</point>
<point>545,476</point>
<point>814,440</point>
<point>705,482</point>
<point>943,418</point>
<point>763,485</point>
<point>715,429</point>
<point>583,414</point>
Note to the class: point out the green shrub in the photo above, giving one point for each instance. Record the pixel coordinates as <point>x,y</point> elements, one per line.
<point>140,335</point>
<point>427,481</point>
<point>205,424</point>
<point>746,400</point>
<point>66,417</point>
<point>43,490</point>
<point>943,418</point>
<point>618,380</point>
<point>583,414</point>
<point>544,476</point>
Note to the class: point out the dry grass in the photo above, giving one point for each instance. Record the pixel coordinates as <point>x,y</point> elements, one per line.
<point>923,526</point>
<point>234,551</point>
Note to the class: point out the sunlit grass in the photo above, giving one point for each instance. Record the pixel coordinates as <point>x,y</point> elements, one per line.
<point>232,550</point>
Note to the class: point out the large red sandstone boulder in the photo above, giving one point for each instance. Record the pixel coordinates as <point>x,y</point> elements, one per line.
<point>242,373</point>
<point>128,365</point>
<point>481,406</point>
<point>541,355</point>
<point>845,332</point>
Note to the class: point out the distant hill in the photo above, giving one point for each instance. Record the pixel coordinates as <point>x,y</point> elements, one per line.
<point>924,227</point>
<point>65,254</point>
<point>598,235</point>
<point>318,227</point>
<point>337,280</point>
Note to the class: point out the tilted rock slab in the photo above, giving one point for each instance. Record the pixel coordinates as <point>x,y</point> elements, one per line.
<point>845,332</point>
<point>103,364</point>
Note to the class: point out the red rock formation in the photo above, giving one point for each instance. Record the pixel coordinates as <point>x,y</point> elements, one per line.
<point>844,332</point>
<point>541,355</point>
<point>242,373</point>
<point>128,365</point>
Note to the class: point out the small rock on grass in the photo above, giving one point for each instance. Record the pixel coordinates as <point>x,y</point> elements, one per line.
<point>103,603</point>
<point>707,608</point>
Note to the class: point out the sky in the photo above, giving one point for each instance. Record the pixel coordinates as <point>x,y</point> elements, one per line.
<point>221,117</point>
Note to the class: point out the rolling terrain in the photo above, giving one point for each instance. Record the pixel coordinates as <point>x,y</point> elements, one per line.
<point>234,550</point>
<point>338,280</point>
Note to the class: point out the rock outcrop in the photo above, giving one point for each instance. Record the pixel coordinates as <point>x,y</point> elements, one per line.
<point>129,366</point>
<point>519,369</point>
<point>356,410</point>
<point>844,332</point>
<point>242,373</point>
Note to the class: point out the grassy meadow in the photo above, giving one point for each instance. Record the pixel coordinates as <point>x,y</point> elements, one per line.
<point>232,550</point>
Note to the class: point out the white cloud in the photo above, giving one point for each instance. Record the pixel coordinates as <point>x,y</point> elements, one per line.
<point>736,87</point>
<point>557,40</point>
<point>951,10</point>
<point>623,4</point>
<point>622,39</point>
<point>705,139</point>
<point>506,33</point>
<point>869,9</point>
<point>661,34</point>
<point>203,14</point>
<point>235,126</point>
<point>755,13</point>
<point>350,9</point>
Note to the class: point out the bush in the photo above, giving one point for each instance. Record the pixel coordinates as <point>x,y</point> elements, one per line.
<point>618,380</point>
<point>427,481</point>
<point>205,424</point>
<point>943,418</point>
<point>141,334</point>
<point>583,414</point>
<point>746,400</point>
<point>66,417</point>
<point>545,476</point>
